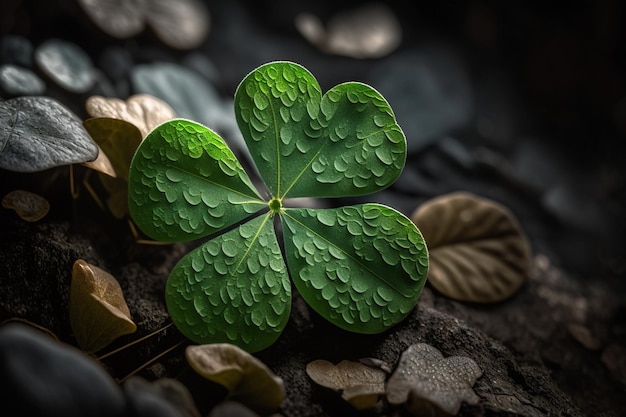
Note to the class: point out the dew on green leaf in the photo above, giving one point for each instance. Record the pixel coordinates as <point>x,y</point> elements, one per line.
<point>229,248</point>
<point>328,292</point>
<point>385,293</point>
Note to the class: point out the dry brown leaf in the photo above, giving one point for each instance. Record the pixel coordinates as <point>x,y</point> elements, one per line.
<point>181,24</point>
<point>478,251</point>
<point>98,311</point>
<point>29,206</point>
<point>142,110</point>
<point>102,164</point>
<point>118,140</point>
<point>247,379</point>
<point>358,384</point>
<point>370,31</point>
<point>430,384</point>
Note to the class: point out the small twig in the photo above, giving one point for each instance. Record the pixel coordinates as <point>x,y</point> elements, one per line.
<point>134,342</point>
<point>133,372</point>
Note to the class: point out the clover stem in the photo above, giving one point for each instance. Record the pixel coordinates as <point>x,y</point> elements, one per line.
<point>134,342</point>
<point>144,365</point>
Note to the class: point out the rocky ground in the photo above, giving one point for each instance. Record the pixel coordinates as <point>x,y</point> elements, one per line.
<point>529,112</point>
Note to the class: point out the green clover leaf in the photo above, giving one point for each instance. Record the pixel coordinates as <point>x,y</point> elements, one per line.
<point>361,267</point>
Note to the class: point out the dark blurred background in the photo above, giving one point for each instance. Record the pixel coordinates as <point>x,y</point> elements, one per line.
<point>529,106</point>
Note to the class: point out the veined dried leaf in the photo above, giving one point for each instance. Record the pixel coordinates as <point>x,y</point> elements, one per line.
<point>98,310</point>
<point>29,206</point>
<point>358,384</point>
<point>430,384</point>
<point>371,31</point>
<point>142,110</point>
<point>478,251</point>
<point>247,379</point>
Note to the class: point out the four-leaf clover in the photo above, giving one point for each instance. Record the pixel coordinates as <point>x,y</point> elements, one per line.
<point>361,267</point>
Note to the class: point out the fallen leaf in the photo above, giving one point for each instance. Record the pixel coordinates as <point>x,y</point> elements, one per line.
<point>183,24</point>
<point>98,310</point>
<point>247,379</point>
<point>67,64</point>
<point>29,206</point>
<point>142,110</point>
<point>102,164</point>
<point>19,81</point>
<point>118,140</point>
<point>614,358</point>
<point>584,335</point>
<point>37,133</point>
<point>358,384</point>
<point>430,384</point>
<point>369,31</point>
<point>478,251</point>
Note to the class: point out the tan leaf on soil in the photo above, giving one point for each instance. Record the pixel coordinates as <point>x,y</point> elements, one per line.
<point>478,251</point>
<point>247,379</point>
<point>430,384</point>
<point>358,384</point>
<point>98,310</point>
<point>29,206</point>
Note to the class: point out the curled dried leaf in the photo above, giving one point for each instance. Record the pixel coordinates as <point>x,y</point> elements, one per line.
<point>118,139</point>
<point>102,164</point>
<point>430,384</point>
<point>247,379</point>
<point>358,384</point>
<point>370,31</point>
<point>142,110</point>
<point>98,311</point>
<point>478,251</point>
<point>29,206</point>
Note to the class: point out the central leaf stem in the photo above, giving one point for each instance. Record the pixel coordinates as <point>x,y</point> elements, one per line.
<point>275,205</point>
